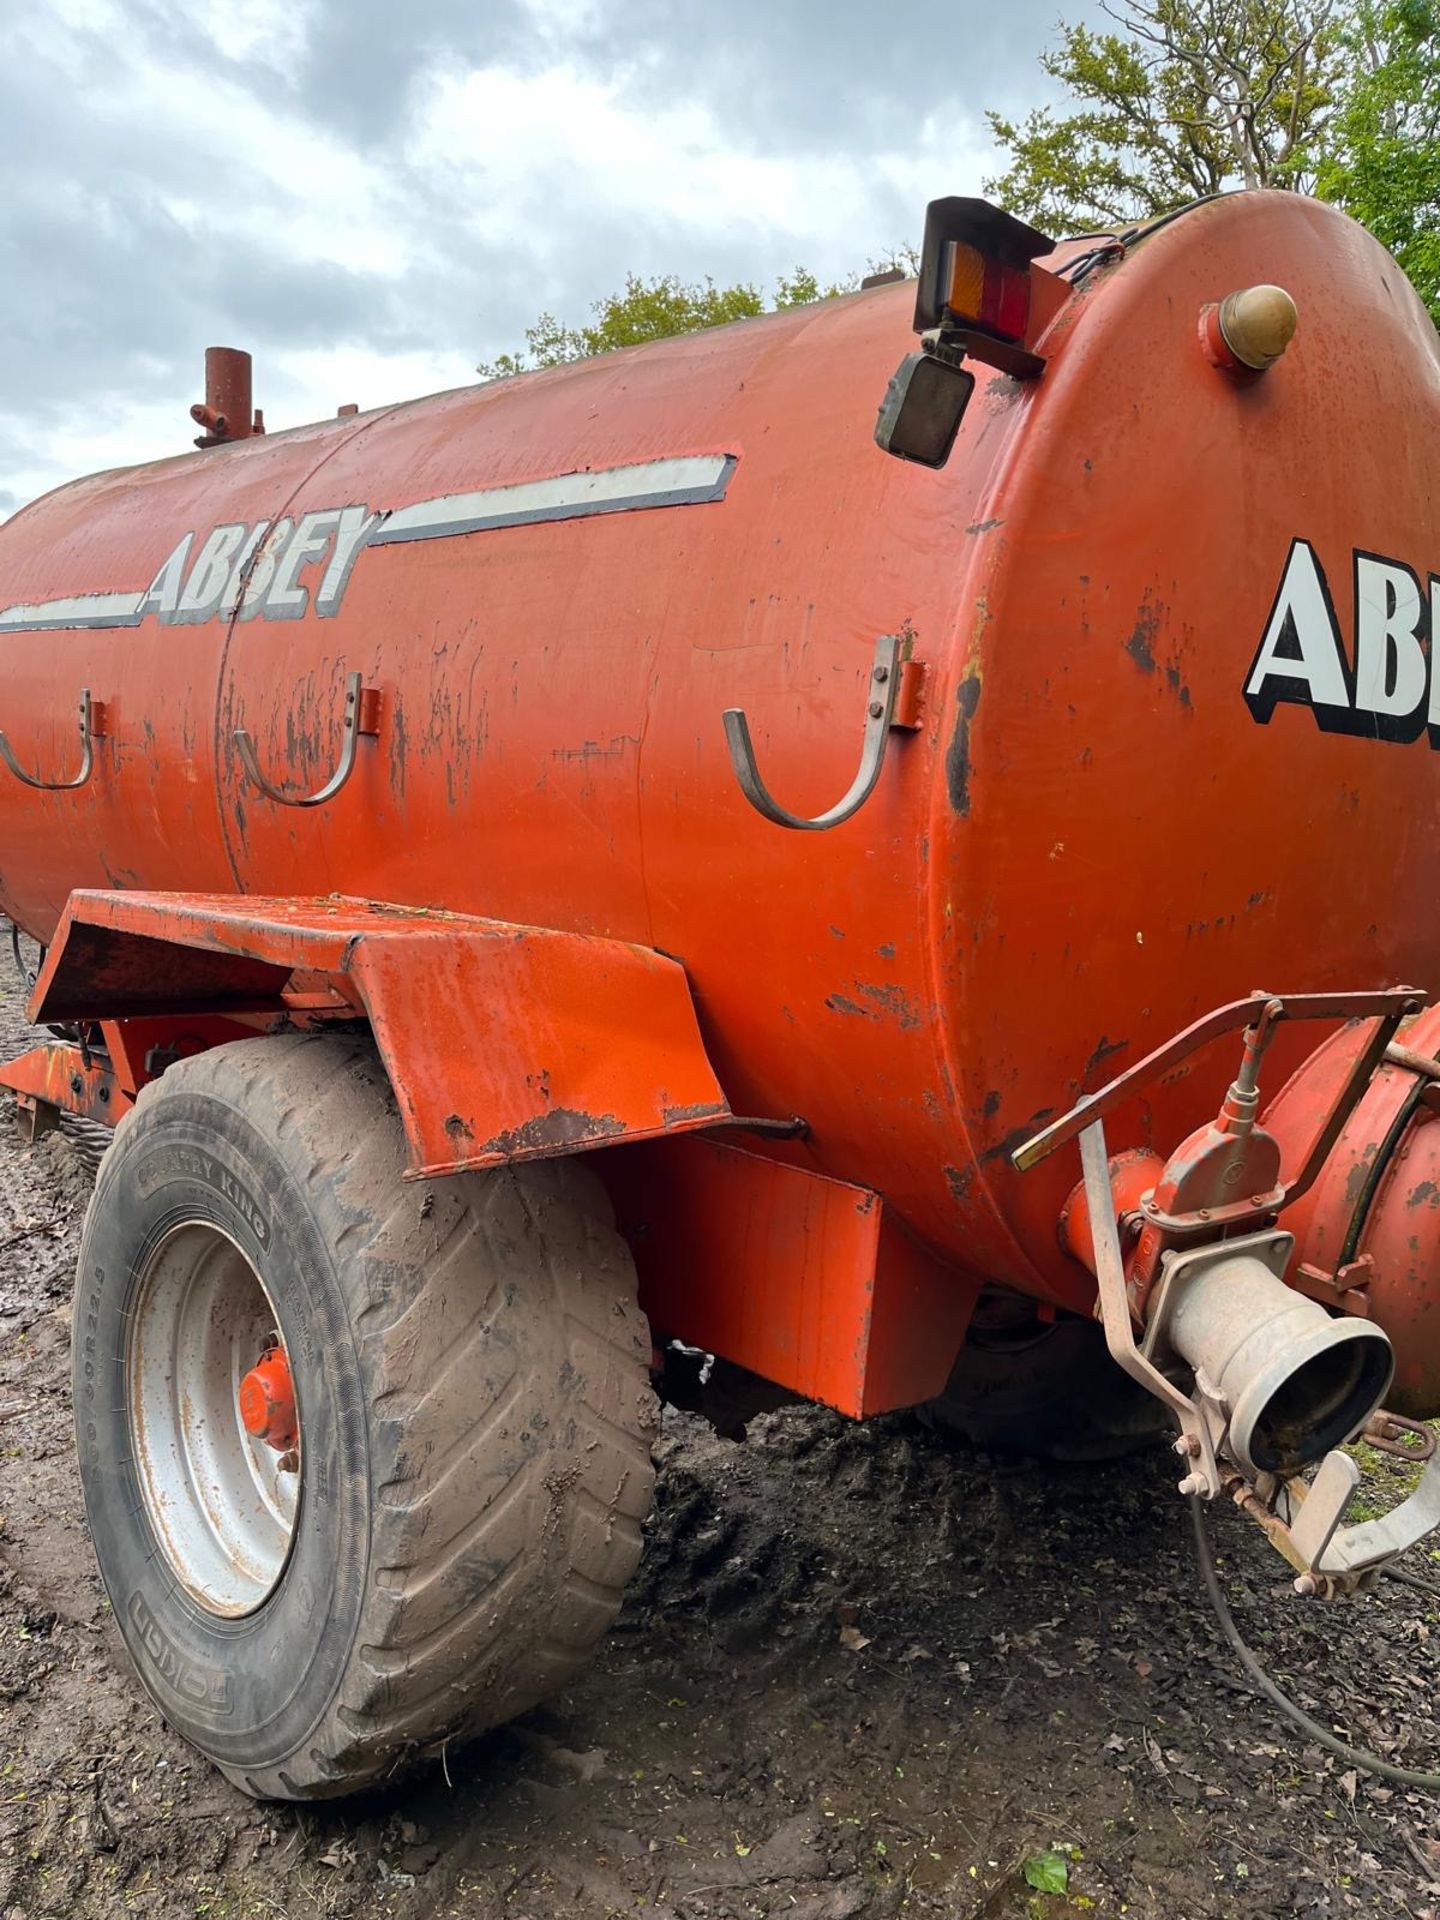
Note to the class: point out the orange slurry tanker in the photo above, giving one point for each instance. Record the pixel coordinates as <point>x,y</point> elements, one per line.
<point>617,857</point>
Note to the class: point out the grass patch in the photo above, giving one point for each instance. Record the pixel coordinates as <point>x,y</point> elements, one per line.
<point>1387,1480</point>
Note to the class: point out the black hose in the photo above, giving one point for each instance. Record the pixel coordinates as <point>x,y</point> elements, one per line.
<point>1408,1579</point>
<point>1355,1756</point>
<point>27,979</point>
<point>72,1035</point>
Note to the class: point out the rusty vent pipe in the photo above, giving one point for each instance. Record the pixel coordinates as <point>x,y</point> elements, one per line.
<point>227,411</point>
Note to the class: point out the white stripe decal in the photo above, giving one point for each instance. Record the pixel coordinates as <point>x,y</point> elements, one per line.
<point>77,610</point>
<point>570,496</point>
<point>687,480</point>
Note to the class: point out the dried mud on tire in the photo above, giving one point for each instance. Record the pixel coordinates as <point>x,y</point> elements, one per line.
<point>860,1673</point>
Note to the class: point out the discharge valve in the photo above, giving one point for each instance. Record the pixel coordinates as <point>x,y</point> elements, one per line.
<point>1262,1381</point>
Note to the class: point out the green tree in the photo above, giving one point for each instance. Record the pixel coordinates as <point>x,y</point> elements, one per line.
<point>1187,98</point>
<point>1382,162</point>
<point>659,308</point>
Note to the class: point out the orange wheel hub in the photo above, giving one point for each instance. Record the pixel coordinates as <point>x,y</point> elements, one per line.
<point>267,1401</point>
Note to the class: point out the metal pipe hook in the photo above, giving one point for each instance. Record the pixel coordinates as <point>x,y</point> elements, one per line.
<point>882,693</point>
<point>92,727</point>
<point>362,706</point>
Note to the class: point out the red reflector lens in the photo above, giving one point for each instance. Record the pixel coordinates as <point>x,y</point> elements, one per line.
<point>986,293</point>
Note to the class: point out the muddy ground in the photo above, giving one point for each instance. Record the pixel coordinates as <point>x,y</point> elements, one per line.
<point>862,1673</point>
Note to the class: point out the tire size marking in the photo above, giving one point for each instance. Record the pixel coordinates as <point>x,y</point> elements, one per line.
<point>202,1686</point>
<point>87,1432</point>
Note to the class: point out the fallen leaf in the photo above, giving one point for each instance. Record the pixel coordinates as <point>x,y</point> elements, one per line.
<point>852,1639</point>
<point>1047,1872</point>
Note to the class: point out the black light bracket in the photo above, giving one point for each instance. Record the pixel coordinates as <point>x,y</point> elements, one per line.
<point>954,343</point>
<point>926,399</point>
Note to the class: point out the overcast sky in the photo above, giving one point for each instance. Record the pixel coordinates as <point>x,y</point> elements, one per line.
<point>373,195</point>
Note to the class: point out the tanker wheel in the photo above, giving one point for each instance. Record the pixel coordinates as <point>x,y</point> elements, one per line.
<point>1051,1391</point>
<point>365,1461</point>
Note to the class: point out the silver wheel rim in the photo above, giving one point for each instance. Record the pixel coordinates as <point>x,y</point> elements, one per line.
<point>217,1501</point>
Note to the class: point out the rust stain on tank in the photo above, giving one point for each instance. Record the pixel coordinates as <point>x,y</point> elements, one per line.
<point>892,1000</point>
<point>1106,1049</point>
<point>885,1002</point>
<point>398,747</point>
<point>957,758</point>
<point>1177,684</point>
<point>959,1180</point>
<point>1141,644</point>
<point>1359,1174</point>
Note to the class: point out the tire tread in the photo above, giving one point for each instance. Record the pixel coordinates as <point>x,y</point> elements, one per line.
<point>499,1340</point>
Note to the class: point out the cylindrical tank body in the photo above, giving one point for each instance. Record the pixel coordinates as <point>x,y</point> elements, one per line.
<point>1093,837</point>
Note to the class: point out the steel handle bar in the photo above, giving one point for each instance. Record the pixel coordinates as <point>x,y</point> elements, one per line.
<point>882,690</point>
<point>91,727</point>
<point>352,726</point>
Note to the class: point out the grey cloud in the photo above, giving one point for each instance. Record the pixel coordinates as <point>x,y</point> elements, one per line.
<point>363,55</point>
<point>109,292</point>
<point>110,297</point>
<point>780,74</point>
<point>841,74</point>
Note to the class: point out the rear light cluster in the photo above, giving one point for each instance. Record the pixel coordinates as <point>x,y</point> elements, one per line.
<point>979,296</point>
<point>982,291</point>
